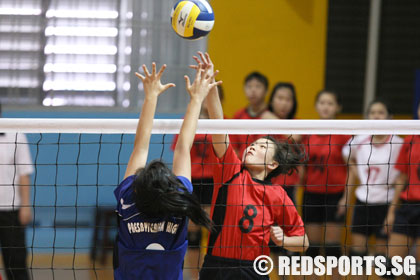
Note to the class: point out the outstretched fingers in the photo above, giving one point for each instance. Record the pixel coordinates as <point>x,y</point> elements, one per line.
<point>140,76</point>
<point>196,59</point>
<point>170,85</point>
<point>145,70</point>
<point>187,82</point>
<point>203,58</point>
<point>215,84</point>
<point>208,58</point>
<point>162,69</point>
<point>214,74</point>
<point>200,72</point>
<point>153,69</point>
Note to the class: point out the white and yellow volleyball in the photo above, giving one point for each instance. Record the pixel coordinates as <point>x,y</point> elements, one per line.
<point>192,19</point>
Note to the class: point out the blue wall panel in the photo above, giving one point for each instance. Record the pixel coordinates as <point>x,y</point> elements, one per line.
<point>75,174</point>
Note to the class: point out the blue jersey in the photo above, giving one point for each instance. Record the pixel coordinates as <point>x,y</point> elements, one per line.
<point>148,248</point>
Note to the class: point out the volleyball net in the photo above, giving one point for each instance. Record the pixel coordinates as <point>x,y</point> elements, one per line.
<point>75,165</point>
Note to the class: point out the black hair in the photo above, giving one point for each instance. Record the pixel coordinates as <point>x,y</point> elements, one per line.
<point>288,155</point>
<point>159,193</point>
<point>289,86</point>
<point>337,96</point>
<point>382,101</point>
<point>257,76</point>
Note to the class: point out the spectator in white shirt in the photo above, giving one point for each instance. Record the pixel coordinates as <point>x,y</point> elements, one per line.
<point>15,206</point>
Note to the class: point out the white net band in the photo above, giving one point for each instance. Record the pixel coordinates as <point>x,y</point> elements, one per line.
<point>172,126</point>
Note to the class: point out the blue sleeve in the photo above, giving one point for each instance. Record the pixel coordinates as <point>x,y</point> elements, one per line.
<point>123,186</point>
<point>186,183</point>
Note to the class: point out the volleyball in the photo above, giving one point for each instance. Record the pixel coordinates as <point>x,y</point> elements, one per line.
<point>192,19</point>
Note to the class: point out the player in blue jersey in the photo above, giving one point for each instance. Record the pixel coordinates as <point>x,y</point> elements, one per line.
<point>154,203</point>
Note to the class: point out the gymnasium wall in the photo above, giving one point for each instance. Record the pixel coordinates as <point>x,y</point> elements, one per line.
<point>286,45</point>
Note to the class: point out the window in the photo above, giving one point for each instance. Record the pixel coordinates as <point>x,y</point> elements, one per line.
<point>85,52</point>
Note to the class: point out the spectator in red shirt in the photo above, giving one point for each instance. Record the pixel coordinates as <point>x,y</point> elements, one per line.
<point>404,211</point>
<point>324,181</point>
<point>246,208</point>
<point>255,88</point>
<point>283,105</point>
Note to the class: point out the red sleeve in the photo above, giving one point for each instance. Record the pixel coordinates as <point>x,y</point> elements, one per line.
<point>404,156</point>
<point>344,139</point>
<point>288,218</point>
<point>174,142</point>
<point>237,115</point>
<point>241,114</point>
<point>305,140</point>
<point>226,166</point>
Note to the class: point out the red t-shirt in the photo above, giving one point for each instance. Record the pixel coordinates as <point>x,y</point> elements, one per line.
<point>409,163</point>
<point>243,209</point>
<point>326,171</point>
<point>201,163</point>
<point>244,114</point>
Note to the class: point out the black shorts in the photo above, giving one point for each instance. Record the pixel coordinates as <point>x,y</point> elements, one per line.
<point>407,219</point>
<point>217,268</point>
<point>321,208</point>
<point>203,189</point>
<point>369,219</point>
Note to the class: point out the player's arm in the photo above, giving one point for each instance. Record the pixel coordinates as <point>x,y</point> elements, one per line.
<point>289,231</point>
<point>152,89</point>
<point>399,185</point>
<point>198,91</point>
<point>291,243</point>
<point>349,188</point>
<point>25,211</point>
<point>214,107</point>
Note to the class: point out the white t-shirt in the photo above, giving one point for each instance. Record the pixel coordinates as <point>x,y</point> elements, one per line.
<point>15,161</point>
<point>375,166</point>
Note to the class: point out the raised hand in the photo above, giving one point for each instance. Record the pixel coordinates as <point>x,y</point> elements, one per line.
<point>151,82</point>
<point>204,63</point>
<point>202,84</point>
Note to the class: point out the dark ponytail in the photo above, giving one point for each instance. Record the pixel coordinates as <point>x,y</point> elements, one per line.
<point>159,193</point>
<point>288,155</point>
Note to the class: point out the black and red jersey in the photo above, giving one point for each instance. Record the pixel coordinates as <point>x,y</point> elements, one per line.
<point>244,209</point>
<point>326,171</point>
<point>409,163</point>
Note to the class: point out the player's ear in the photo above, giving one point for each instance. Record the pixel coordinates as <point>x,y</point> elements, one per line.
<point>273,165</point>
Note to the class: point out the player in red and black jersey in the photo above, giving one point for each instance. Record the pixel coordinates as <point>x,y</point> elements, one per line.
<point>246,208</point>
<point>325,179</point>
<point>404,211</point>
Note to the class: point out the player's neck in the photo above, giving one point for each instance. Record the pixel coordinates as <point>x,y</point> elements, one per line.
<point>379,139</point>
<point>255,110</point>
<point>257,173</point>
